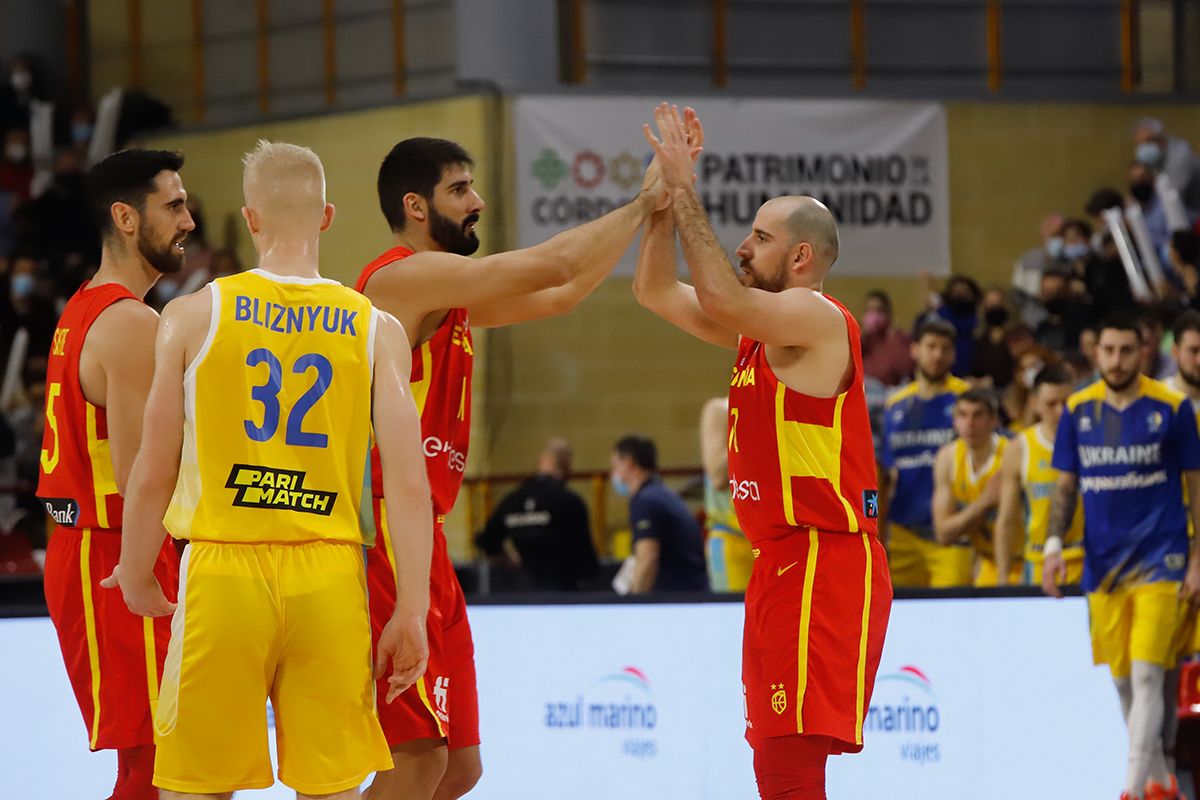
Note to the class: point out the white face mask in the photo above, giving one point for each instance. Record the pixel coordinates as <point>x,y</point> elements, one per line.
<point>1029,374</point>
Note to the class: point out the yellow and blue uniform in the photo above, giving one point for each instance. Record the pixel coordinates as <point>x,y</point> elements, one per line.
<point>966,486</point>
<point>272,599</point>
<point>914,427</point>
<point>728,552</point>
<point>1038,482</point>
<point>1130,464</point>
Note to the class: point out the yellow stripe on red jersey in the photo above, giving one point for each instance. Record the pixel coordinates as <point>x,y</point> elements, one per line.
<point>277,414</point>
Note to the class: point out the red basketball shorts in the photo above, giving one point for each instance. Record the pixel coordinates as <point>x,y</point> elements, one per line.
<point>114,658</point>
<point>816,612</point>
<point>444,703</point>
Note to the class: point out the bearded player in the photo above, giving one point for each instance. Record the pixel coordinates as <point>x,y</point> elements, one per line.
<point>427,196</point>
<point>800,456</point>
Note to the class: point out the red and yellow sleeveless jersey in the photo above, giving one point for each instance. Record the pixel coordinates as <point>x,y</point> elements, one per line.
<point>441,386</point>
<point>277,414</point>
<point>76,479</point>
<point>797,461</point>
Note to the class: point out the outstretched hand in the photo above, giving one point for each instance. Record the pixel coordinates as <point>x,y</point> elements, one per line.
<point>144,597</point>
<point>404,645</point>
<point>675,155</point>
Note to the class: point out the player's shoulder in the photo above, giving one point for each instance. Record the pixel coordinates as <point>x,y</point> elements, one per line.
<point>906,392</point>
<point>1091,393</point>
<point>956,385</point>
<point>1161,393</point>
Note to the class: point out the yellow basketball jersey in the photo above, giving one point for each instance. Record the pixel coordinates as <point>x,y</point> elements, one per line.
<point>277,414</point>
<point>1038,480</point>
<point>968,485</point>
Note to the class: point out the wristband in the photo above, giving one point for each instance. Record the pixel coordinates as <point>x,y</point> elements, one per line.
<point>1052,547</point>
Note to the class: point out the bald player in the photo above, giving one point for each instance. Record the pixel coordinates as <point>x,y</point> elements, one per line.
<point>266,387</point>
<point>801,463</point>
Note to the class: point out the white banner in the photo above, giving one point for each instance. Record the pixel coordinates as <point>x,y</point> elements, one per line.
<point>881,167</point>
<point>974,698</point>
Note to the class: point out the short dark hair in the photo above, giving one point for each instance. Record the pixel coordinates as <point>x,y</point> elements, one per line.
<point>126,176</point>
<point>1189,320</point>
<point>640,450</point>
<point>883,297</point>
<point>963,280</point>
<point>1187,247</point>
<point>1103,199</point>
<point>1055,374</point>
<point>935,326</point>
<point>984,397</point>
<point>415,165</point>
<point>1123,321</point>
<point>1081,225</point>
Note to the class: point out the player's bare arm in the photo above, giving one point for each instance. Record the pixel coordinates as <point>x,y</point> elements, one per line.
<point>714,440</point>
<point>886,477</point>
<point>116,366</point>
<point>951,524</point>
<point>1062,508</point>
<point>1009,530</point>
<point>795,317</point>
<point>403,642</point>
<point>657,288</point>
<point>1190,590</point>
<point>156,467</point>
<point>646,554</point>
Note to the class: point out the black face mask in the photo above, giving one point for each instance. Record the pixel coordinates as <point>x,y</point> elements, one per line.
<point>1142,192</point>
<point>961,307</point>
<point>995,317</point>
<point>1056,306</point>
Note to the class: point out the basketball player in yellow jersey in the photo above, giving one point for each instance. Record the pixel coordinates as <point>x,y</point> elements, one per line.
<point>257,428</point>
<point>965,484</point>
<point>1028,480</point>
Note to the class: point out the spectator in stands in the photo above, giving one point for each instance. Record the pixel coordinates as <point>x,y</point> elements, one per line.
<point>1027,272</point>
<point>547,526</point>
<point>992,363</point>
<point>1184,257</point>
<point>1169,155</point>
<point>17,90</point>
<point>16,167</point>
<point>1145,195</point>
<point>668,547</point>
<point>917,421</point>
<point>24,307</point>
<point>886,349</point>
<point>1065,315</point>
<point>1104,275</point>
<point>958,304</point>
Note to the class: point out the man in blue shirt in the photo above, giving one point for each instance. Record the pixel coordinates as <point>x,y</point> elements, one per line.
<point>917,420</point>
<point>668,547</point>
<point>1126,444</point>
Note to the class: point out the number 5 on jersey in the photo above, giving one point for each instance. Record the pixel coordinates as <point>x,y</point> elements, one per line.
<point>268,395</point>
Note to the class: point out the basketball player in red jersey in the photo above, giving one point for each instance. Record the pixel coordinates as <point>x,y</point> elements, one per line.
<point>801,464</point>
<point>97,379</point>
<point>426,281</point>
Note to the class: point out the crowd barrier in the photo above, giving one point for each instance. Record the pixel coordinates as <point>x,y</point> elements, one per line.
<point>986,697</point>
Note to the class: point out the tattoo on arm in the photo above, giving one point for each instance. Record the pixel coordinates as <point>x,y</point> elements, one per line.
<point>1062,508</point>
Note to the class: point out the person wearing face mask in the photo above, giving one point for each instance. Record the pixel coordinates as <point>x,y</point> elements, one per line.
<point>1169,155</point>
<point>992,361</point>
<point>1065,318</point>
<point>887,350</point>
<point>958,304</point>
<point>1142,192</point>
<point>15,94</point>
<point>1027,272</point>
<point>24,307</point>
<point>1104,276</point>
<point>668,547</point>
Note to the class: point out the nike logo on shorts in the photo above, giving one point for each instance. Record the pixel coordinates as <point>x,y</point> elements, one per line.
<point>782,570</point>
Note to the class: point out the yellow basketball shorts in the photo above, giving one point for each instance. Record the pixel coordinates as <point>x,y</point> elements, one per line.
<point>730,560</point>
<point>919,563</point>
<point>1074,559</point>
<point>1136,623</point>
<point>988,575</point>
<point>281,621</point>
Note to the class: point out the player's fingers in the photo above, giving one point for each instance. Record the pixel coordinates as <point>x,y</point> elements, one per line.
<point>381,662</point>
<point>111,581</point>
<point>164,609</point>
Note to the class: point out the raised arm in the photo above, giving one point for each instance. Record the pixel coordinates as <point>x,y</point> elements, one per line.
<point>156,467</point>
<point>792,317</point>
<point>1009,530</point>
<point>403,642</point>
<point>657,288</point>
<point>119,351</point>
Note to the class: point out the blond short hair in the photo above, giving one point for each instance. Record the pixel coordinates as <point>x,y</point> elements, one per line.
<point>284,182</point>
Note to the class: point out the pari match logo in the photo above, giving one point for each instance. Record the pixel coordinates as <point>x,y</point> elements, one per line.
<point>616,706</point>
<point>904,708</point>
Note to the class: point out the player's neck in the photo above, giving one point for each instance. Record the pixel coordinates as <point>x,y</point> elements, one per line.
<point>927,387</point>
<point>1124,397</point>
<point>1047,432</point>
<point>416,240</point>
<point>123,268</point>
<point>1190,391</point>
<point>981,452</point>
<point>295,258</point>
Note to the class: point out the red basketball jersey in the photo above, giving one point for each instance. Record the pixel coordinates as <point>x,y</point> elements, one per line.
<point>76,479</point>
<point>797,461</point>
<point>441,386</point>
